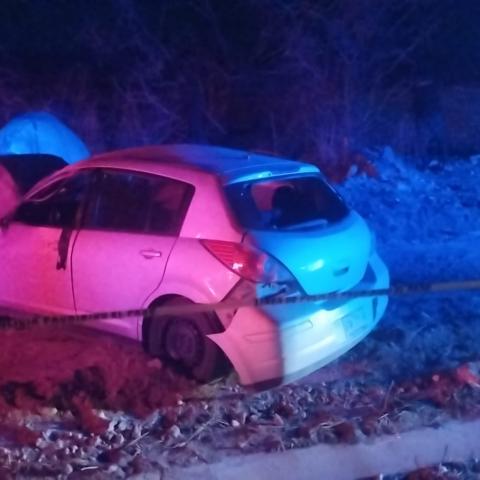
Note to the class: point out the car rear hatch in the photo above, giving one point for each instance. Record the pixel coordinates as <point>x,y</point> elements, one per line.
<point>304,224</point>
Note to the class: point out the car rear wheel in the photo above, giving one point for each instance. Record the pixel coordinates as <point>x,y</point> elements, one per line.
<point>182,342</point>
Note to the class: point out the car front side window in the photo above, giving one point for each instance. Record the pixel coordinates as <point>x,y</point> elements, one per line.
<point>57,205</point>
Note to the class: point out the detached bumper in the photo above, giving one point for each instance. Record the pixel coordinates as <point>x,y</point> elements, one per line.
<point>280,343</point>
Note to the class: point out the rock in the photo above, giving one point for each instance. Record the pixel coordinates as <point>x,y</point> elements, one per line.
<point>102,414</point>
<point>285,409</point>
<point>243,418</point>
<point>28,454</point>
<point>78,436</point>
<point>137,430</point>
<point>41,443</point>
<point>64,453</point>
<point>175,431</point>
<point>253,418</point>
<point>59,444</point>
<point>242,442</point>
<point>117,440</point>
<point>48,411</point>
<point>277,420</point>
<point>122,425</point>
<point>50,435</point>
<point>151,421</point>
<point>116,470</point>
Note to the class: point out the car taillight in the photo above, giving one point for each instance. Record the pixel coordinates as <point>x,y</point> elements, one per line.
<point>247,262</point>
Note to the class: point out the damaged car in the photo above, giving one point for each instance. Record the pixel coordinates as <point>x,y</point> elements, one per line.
<point>178,225</point>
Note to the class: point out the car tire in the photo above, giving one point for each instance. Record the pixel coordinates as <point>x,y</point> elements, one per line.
<point>182,342</point>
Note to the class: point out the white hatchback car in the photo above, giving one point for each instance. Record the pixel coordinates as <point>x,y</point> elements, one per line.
<point>179,224</point>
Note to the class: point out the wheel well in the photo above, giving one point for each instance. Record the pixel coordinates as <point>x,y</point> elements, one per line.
<point>215,321</point>
<point>224,366</point>
<point>146,321</point>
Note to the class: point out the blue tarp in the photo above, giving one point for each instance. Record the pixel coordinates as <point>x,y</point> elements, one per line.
<point>41,132</point>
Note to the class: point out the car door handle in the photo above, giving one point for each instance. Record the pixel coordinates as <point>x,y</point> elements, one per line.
<point>151,253</point>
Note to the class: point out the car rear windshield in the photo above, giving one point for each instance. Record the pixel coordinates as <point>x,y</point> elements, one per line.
<point>282,203</point>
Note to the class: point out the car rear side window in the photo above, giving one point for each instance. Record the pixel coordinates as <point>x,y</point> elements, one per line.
<point>287,202</point>
<point>136,202</point>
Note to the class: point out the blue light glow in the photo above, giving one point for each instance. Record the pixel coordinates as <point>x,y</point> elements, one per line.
<point>40,132</point>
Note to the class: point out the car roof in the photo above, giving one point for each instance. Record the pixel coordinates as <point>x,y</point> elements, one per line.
<point>229,164</point>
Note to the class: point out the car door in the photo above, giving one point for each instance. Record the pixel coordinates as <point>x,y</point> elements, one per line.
<point>120,254</point>
<point>35,246</point>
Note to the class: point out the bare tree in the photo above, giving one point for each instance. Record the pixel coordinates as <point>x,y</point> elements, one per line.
<point>300,78</point>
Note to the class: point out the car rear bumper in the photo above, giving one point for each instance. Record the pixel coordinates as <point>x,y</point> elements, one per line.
<point>280,343</point>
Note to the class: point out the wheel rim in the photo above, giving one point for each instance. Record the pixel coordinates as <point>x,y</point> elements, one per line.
<point>183,342</point>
